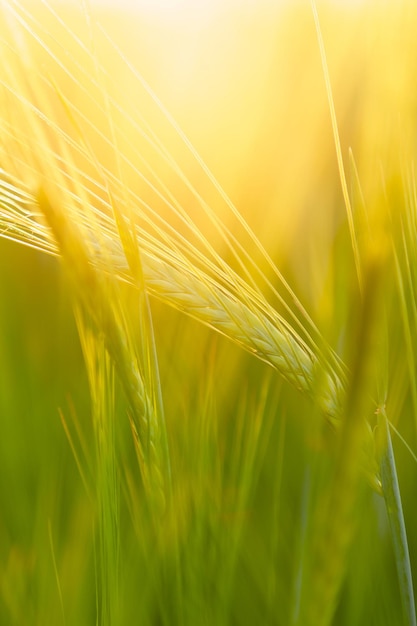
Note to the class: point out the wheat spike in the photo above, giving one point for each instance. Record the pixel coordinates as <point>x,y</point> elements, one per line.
<point>189,290</point>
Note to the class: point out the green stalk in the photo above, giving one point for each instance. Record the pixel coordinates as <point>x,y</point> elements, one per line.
<point>336,512</point>
<point>392,496</point>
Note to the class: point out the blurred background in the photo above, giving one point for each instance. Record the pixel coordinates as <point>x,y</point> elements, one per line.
<point>245,83</point>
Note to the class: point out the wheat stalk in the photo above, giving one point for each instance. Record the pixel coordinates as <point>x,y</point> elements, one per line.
<point>197,294</point>
<point>188,289</point>
<point>196,280</point>
<point>93,291</point>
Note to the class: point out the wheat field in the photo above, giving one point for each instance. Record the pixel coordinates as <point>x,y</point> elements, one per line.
<point>208,389</point>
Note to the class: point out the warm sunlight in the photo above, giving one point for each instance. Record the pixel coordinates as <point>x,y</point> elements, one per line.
<point>208,326</point>
<point>171,8</point>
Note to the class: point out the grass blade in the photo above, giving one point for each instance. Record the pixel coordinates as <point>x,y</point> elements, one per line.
<point>392,495</point>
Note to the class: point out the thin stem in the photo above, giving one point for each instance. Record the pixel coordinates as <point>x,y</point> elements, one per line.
<point>392,496</point>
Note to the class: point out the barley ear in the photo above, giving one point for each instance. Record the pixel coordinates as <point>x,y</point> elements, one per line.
<point>92,289</point>
<point>259,330</point>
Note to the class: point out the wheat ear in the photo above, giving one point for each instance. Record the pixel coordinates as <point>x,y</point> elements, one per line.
<point>92,290</point>
<point>188,289</point>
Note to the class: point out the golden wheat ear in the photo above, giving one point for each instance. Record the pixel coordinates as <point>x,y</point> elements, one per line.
<point>93,291</point>
<point>192,291</point>
<point>183,287</point>
<point>195,280</point>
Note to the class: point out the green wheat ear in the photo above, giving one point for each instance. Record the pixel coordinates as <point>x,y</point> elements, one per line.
<point>96,295</point>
